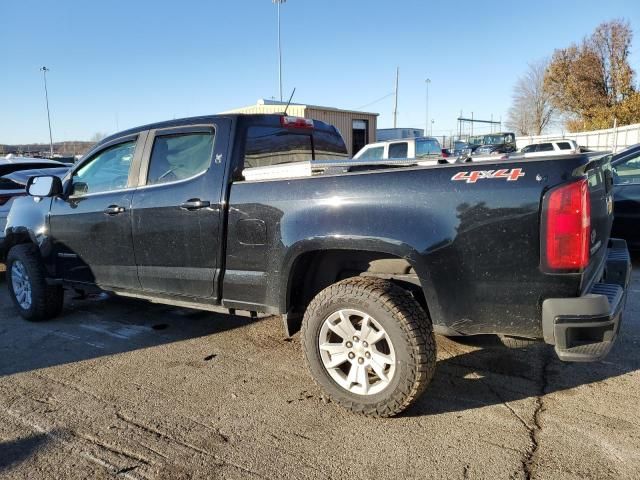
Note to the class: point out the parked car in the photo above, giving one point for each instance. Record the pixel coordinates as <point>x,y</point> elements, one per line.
<point>460,147</point>
<point>494,143</point>
<point>553,147</point>
<point>626,179</point>
<point>427,149</point>
<point>10,188</point>
<point>370,264</point>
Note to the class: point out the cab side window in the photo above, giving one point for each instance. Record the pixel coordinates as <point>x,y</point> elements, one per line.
<point>106,171</point>
<point>628,171</point>
<point>398,150</point>
<point>374,153</point>
<point>180,156</point>
<point>545,147</point>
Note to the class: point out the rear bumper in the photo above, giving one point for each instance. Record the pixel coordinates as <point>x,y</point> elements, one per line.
<point>583,329</point>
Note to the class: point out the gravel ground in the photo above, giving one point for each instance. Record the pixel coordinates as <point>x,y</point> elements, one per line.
<point>123,388</point>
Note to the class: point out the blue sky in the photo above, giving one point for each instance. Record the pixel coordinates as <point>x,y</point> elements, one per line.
<point>119,64</point>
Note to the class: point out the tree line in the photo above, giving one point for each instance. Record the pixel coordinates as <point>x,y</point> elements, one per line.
<point>586,86</point>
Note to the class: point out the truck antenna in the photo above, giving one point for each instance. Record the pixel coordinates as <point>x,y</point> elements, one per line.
<point>289,102</point>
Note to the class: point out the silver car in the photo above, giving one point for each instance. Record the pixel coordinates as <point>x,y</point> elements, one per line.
<point>10,188</point>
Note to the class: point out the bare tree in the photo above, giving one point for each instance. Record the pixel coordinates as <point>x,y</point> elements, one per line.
<point>96,137</point>
<point>531,110</point>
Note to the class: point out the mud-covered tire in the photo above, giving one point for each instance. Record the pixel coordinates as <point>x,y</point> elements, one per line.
<point>46,300</point>
<point>407,327</point>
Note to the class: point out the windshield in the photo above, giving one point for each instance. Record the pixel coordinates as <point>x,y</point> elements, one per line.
<point>498,139</point>
<point>427,146</point>
<point>493,139</point>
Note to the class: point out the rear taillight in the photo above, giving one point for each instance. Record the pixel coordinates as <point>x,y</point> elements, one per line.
<point>296,122</point>
<point>567,225</point>
<point>5,198</point>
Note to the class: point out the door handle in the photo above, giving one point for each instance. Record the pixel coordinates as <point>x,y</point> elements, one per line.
<point>113,210</point>
<point>195,204</point>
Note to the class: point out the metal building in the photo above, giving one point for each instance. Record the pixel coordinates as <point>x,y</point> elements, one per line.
<point>357,128</point>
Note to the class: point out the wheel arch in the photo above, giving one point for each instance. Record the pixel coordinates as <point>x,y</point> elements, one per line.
<point>313,270</point>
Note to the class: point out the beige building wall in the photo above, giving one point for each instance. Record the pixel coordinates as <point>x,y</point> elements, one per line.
<point>343,120</point>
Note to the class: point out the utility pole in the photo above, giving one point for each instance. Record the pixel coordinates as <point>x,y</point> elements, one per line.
<point>44,71</point>
<point>395,107</point>
<point>278,2</point>
<point>426,123</point>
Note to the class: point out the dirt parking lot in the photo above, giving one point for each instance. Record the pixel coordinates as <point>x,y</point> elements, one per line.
<point>123,388</point>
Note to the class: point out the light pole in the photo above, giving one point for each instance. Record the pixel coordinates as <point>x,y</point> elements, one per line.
<point>278,2</point>
<point>426,123</point>
<point>431,132</point>
<point>44,71</point>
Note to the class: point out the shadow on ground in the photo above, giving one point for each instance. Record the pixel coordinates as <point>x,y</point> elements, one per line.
<point>466,377</point>
<point>14,452</point>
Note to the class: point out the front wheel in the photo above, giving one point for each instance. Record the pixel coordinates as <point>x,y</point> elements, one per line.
<point>369,345</point>
<point>28,288</point>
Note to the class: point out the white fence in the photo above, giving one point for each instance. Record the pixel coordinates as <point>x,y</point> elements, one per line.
<point>614,139</point>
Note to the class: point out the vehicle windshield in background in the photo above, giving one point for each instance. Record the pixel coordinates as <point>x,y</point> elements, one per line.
<point>426,147</point>
<point>497,139</point>
<point>267,146</point>
<point>493,139</point>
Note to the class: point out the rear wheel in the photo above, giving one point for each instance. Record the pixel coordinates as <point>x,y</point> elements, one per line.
<point>369,345</point>
<point>26,279</point>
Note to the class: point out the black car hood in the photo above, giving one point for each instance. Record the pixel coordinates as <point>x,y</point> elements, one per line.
<point>22,176</point>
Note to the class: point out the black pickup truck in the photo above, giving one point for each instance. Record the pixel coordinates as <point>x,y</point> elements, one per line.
<point>369,262</point>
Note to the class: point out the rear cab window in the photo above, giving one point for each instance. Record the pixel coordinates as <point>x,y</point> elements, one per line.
<point>268,146</point>
<point>427,147</point>
<point>564,145</point>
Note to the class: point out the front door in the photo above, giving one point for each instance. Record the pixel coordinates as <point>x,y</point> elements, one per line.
<point>91,225</point>
<point>626,223</point>
<point>177,212</point>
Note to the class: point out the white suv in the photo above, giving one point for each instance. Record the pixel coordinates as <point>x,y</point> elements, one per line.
<point>425,149</point>
<point>553,147</point>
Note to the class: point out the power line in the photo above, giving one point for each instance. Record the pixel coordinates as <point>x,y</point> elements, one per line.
<point>376,101</point>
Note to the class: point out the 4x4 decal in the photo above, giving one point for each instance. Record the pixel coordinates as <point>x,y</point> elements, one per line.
<point>472,177</point>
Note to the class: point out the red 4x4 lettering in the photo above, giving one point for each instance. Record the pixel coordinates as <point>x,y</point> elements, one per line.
<point>473,176</point>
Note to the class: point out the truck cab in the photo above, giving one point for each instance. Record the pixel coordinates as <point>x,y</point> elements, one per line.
<point>426,149</point>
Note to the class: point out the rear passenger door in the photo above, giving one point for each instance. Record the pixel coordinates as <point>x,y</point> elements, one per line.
<point>176,210</point>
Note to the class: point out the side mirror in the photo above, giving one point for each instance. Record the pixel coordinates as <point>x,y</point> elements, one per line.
<point>46,186</point>
<point>79,188</point>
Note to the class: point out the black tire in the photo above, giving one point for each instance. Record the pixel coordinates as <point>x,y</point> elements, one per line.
<point>408,327</point>
<point>46,300</point>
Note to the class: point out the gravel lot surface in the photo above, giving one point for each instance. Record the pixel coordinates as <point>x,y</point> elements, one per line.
<point>123,388</point>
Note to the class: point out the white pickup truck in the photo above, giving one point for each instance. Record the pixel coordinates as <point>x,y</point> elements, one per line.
<point>427,149</point>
